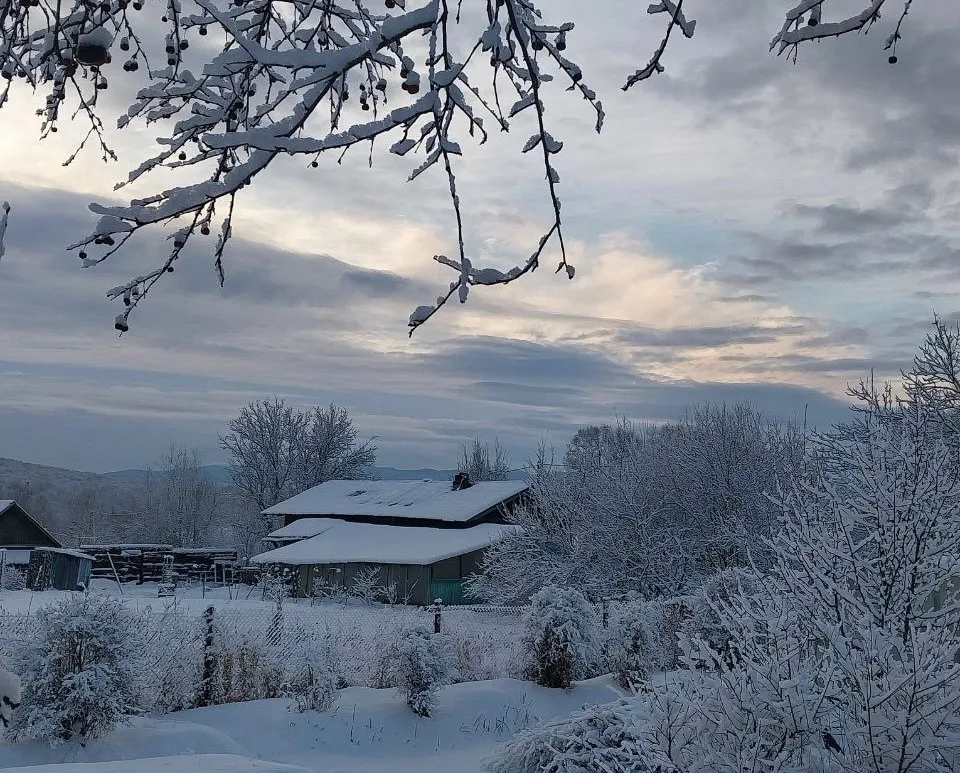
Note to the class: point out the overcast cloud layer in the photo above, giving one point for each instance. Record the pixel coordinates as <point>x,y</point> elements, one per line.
<point>744,229</point>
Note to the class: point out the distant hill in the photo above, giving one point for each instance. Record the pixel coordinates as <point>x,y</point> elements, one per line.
<point>219,474</point>
<point>58,480</point>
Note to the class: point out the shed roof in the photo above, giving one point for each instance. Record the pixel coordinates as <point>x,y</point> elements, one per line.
<point>303,528</point>
<point>435,500</point>
<point>374,543</point>
<point>66,552</point>
<point>6,504</point>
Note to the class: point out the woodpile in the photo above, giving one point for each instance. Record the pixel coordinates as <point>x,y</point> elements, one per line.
<point>145,563</point>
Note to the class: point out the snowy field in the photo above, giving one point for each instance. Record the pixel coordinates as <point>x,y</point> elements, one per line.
<point>369,731</point>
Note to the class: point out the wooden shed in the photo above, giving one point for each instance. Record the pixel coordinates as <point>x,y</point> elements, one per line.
<point>58,569</point>
<point>35,552</point>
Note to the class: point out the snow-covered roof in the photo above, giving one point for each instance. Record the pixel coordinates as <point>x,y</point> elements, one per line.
<point>6,504</point>
<point>435,500</point>
<point>375,543</point>
<point>302,528</point>
<point>66,552</point>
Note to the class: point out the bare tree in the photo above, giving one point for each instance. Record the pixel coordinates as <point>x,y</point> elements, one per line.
<point>281,82</point>
<point>184,504</point>
<point>331,450</point>
<point>278,451</point>
<point>33,498</point>
<point>88,521</point>
<point>481,462</point>
<point>264,443</point>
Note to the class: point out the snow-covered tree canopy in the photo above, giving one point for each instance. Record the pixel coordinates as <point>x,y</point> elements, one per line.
<point>268,78</point>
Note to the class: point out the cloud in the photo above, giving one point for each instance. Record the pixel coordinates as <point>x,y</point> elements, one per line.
<point>744,229</point>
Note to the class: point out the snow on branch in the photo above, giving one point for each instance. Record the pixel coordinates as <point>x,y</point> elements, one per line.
<point>293,77</point>
<point>805,22</point>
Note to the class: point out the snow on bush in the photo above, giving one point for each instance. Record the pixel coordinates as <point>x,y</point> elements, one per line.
<point>481,653</point>
<point>243,667</point>
<point>417,667</point>
<point>10,695</point>
<point>635,645</point>
<point>314,683</point>
<point>842,662</point>
<point>704,620</point>
<point>78,674</point>
<point>559,637</point>
<point>599,738</point>
<point>12,578</point>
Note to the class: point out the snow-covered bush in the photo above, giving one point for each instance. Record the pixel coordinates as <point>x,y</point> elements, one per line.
<point>366,586</point>
<point>12,579</point>
<point>559,637</point>
<point>245,671</point>
<point>481,653</point>
<point>386,643</point>
<point>418,666</point>
<point>841,661</point>
<point>598,738</point>
<point>10,695</point>
<point>313,685</point>
<point>78,674</point>
<point>635,641</point>
<point>241,666</point>
<point>704,621</point>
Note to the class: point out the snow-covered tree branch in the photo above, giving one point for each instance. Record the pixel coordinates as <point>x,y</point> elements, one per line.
<point>427,79</point>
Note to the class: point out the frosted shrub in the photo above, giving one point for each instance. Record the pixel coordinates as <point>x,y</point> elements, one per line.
<point>704,621</point>
<point>599,738</point>
<point>366,586</point>
<point>242,667</point>
<point>635,643</point>
<point>417,668</point>
<point>12,579</point>
<point>9,695</point>
<point>386,643</point>
<point>314,684</point>
<point>245,671</point>
<point>480,653</point>
<point>559,637</point>
<point>78,679</point>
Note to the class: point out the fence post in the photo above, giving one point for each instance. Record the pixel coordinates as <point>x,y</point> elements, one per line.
<point>437,609</point>
<point>209,660</point>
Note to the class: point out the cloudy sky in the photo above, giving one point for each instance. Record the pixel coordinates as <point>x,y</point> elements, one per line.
<point>743,229</point>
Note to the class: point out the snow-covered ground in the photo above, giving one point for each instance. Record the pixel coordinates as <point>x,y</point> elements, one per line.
<point>368,731</point>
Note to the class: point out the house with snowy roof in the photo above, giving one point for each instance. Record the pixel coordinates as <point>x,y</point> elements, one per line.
<point>422,538</point>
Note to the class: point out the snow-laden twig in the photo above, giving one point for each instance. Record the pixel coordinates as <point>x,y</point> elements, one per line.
<point>285,80</point>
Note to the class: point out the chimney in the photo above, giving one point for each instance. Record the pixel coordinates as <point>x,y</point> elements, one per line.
<point>461,480</point>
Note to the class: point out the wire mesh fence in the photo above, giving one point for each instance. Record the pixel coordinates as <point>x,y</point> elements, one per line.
<point>483,641</point>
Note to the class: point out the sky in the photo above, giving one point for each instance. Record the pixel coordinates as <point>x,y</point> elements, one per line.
<point>744,228</point>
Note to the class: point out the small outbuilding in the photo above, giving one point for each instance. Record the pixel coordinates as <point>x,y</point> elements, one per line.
<point>28,547</point>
